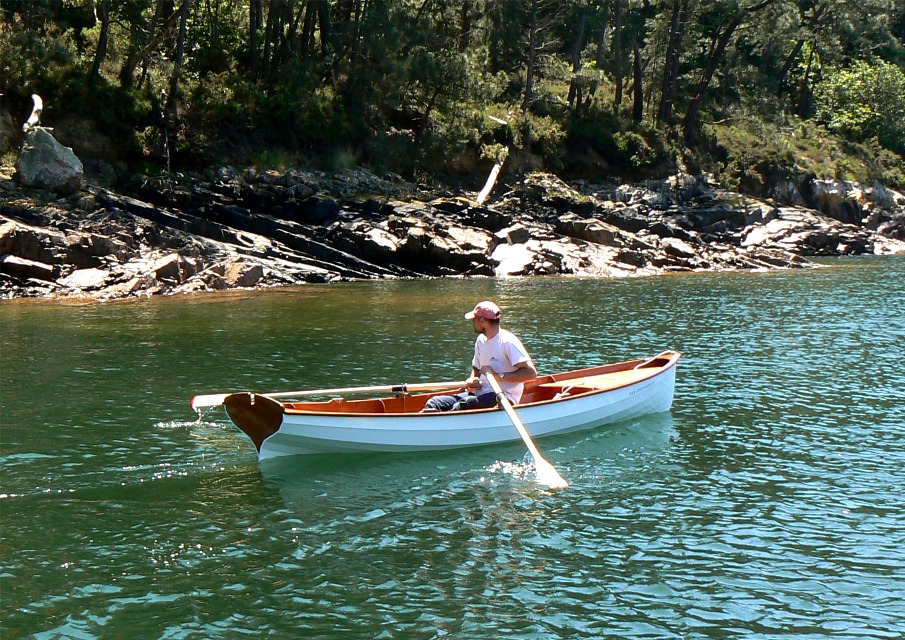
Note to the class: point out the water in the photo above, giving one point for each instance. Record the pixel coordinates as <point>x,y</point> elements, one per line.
<point>768,503</point>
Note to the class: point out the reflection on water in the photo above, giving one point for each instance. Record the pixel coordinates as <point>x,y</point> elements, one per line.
<point>767,503</point>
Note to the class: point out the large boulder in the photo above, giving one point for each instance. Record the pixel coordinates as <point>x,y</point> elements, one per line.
<point>26,269</point>
<point>46,164</point>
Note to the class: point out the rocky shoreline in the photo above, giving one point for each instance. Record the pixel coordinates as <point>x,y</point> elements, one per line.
<point>232,228</point>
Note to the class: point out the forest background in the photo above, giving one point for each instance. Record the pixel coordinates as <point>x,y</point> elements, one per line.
<point>750,91</point>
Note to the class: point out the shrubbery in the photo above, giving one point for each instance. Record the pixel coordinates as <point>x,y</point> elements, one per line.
<point>865,101</point>
<point>442,88</point>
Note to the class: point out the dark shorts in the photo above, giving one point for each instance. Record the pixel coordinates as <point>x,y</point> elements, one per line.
<point>461,401</point>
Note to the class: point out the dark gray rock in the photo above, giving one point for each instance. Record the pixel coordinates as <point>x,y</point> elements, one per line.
<point>188,234</point>
<point>44,163</point>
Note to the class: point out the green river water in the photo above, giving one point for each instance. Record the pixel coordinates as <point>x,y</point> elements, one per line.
<point>768,503</point>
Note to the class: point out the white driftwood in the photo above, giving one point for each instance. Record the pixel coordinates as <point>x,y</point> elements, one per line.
<point>35,118</point>
<point>491,180</point>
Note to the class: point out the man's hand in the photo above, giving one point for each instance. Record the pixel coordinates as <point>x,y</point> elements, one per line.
<point>474,382</point>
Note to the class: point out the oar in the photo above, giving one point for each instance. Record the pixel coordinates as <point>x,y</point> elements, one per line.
<point>546,474</point>
<point>216,399</point>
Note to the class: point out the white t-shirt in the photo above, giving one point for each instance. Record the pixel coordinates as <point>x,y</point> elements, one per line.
<point>501,353</point>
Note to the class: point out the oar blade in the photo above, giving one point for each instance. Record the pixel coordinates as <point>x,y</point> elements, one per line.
<point>548,475</point>
<point>211,400</point>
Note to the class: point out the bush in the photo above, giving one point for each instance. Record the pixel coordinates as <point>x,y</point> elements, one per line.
<point>628,148</point>
<point>542,135</point>
<point>865,101</point>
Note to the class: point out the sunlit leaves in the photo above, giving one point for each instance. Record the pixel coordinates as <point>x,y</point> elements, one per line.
<point>865,101</point>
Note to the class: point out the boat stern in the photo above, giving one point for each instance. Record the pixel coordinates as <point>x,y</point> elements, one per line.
<point>259,417</point>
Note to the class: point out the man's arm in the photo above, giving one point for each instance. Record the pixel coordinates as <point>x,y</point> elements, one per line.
<point>523,372</point>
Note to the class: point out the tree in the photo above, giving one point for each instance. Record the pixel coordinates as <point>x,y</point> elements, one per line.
<point>532,58</point>
<point>575,83</point>
<point>865,101</point>
<point>831,32</point>
<point>637,83</point>
<point>617,52</point>
<point>103,15</point>
<point>159,26</point>
<point>677,23</point>
<point>179,55</point>
<point>724,28</point>
<point>506,27</point>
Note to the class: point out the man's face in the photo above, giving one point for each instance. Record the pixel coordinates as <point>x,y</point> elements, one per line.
<point>479,324</point>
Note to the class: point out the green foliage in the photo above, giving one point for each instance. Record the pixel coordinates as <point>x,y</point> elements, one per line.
<point>750,153</point>
<point>626,148</point>
<point>635,148</point>
<point>394,151</point>
<point>542,135</point>
<point>496,153</point>
<point>30,62</point>
<point>865,101</point>
<point>300,116</point>
<point>408,85</point>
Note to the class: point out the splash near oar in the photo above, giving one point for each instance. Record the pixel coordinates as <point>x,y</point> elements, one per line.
<point>546,473</point>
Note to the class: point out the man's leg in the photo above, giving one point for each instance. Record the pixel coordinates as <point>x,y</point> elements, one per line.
<point>473,401</point>
<point>443,403</point>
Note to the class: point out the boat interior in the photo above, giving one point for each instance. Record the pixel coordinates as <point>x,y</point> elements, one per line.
<point>545,388</point>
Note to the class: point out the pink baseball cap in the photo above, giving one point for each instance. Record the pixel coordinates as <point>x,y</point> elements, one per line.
<point>484,309</point>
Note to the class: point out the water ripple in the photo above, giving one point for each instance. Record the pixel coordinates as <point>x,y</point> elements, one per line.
<point>766,504</point>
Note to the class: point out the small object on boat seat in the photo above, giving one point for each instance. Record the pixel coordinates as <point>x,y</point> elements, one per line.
<point>564,393</point>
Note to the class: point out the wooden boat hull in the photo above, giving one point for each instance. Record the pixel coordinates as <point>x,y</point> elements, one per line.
<point>594,397</point>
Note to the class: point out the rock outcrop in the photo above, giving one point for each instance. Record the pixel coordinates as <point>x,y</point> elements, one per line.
<point>44,163</point>
<point>243,229</point>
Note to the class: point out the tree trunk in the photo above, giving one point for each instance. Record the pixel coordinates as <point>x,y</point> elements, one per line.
<point>307,37</point>
<point>717,52</point>
<point>184,12</point>
<point>790,60</point>
<point>254,26</point>
<point>323,19</point>
<point>267,61</point>
<point>637,87</point>
<point>282,33</point>
<point>689,124</point>
<point>617,53</point>
<point>532,54</point>
<point>138,54</point>
<point>673,55</point>
<point>465,26</point>
<point>491,181</point>
<point>819,11</point>
<point>598,57</point>
<point>349,18</point>
<point>575,85</point>
<point>803,92</point>
<point>103,14</point>
<point>425,119</point>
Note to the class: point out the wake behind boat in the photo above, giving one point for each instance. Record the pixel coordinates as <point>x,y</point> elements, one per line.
<point>551,404</point>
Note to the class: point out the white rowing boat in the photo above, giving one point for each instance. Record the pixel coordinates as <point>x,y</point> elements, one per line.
<point>551,404</point>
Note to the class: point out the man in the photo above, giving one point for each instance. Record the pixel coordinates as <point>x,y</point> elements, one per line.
<point>496,351</point>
